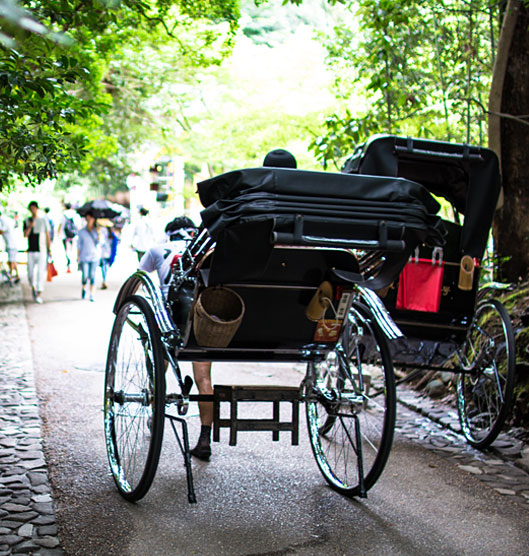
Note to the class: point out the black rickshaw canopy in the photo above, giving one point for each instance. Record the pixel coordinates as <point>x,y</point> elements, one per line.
<point>467,176</point>
<point>249,211</point>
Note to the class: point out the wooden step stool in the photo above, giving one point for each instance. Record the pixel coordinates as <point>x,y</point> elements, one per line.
<point>273,394</point>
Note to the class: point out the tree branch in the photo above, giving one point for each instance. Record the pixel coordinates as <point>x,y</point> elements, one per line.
<point>519,119</point>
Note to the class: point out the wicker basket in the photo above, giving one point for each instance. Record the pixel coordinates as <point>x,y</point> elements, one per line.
<point>217,316</point>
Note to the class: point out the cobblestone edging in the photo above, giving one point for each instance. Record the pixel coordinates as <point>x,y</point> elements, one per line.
<point>505,446</point>
<point>436,427</point>
<point>27,516</point>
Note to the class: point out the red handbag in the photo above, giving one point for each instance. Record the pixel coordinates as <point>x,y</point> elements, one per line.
<point>420,285</point>
<point>52,271</point>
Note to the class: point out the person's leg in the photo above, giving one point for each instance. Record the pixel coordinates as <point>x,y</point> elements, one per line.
<point>42,267</point>
<point>202,374</point>
<point>12,255</point>
<point>84,278</point>
<point>104,270</point>
<point>31,271</point>
<point>66,242</point>
<point>92,270</point>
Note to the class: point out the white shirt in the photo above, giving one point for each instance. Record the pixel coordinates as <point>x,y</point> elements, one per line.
<point>6,226</point>
<point>143,237</point>
<point>161,258</point>
<point>106,244</point>
<point>40,227</point>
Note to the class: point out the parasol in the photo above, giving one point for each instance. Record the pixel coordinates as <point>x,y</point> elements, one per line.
<point>101,208</point>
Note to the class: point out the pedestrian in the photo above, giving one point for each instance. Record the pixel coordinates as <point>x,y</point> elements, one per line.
<point>51,224</point>
<point>88,254</point>
<point>108,253</point>
<point>143,236</point>
<point>36,230</point>
<point>67,232</point>
<point>7,231</point>
<point>161,258</point>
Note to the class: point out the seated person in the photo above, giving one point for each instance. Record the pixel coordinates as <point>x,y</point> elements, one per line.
<point>160,258</point>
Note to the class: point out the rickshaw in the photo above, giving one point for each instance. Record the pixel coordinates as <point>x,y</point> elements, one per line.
<point>271,276</point>
<point>450,323</point>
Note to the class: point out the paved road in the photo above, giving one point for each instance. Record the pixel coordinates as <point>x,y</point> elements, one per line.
<point>259,498</point>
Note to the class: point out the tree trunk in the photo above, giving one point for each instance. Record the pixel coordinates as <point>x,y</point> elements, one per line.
<point>511,224</point>
<point>498,74</point>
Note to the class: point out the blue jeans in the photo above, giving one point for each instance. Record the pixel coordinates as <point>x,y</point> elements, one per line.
<point>88,272</point>
<point>104,268</point>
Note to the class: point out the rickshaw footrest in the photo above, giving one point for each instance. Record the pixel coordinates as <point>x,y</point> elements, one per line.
<point>273,394</point>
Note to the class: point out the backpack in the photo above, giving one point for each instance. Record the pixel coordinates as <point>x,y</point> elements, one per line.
<point>70,229</point>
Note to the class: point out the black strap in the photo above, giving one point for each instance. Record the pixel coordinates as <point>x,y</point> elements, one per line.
<point>389,272</point>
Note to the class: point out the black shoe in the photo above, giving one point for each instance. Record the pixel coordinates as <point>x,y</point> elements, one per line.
<point>201,451</point>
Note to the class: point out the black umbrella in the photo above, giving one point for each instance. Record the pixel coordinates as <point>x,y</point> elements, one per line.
<point>101,208</point>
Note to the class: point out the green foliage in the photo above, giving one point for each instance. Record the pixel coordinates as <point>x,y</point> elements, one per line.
<point>272,22</point>
<point>410,67</point>
<point>64,102</point>
<point>260,99</point>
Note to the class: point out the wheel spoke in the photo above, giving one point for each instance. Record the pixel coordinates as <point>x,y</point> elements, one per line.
<point>135,398</point>
<point>485,387</point>
<point>342,411</point>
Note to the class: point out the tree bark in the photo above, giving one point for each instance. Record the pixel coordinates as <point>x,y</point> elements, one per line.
<point>498,74</point>
<point>511,224</point>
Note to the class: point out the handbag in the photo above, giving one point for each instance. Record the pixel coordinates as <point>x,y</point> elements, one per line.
<point>420,285</point>
<point>52,271</point>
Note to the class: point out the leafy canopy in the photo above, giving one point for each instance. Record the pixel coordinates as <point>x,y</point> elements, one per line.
<point>65,76</point>
<point>413,67</point>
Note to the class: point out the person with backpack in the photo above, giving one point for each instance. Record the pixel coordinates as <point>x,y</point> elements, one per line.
<point>68,232</point>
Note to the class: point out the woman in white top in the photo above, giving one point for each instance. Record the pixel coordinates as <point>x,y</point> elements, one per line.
<point>89,254</point>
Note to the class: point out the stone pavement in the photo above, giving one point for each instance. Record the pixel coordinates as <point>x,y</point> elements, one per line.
<point>27,519</point>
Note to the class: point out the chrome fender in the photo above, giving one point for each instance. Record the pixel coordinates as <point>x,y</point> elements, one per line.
<point>381,314</point>
<point>140,279</point>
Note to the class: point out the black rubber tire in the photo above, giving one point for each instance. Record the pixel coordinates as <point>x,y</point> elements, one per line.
<point>331,424</point>
<point>486,384</point>
<point>134,402</point>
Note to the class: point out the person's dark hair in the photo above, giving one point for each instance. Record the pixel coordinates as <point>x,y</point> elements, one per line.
<point>144,211</point>
<point>177,224</point>
<point>67,206</point>
<point>47,210</point>
<point>89,213</point>
<point>33,204</point>
<point>280,158</point>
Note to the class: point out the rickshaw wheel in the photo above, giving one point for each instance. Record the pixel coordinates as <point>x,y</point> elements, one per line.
<point>134,403</point>
<point>485,385</point>
<point>351,409</point>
